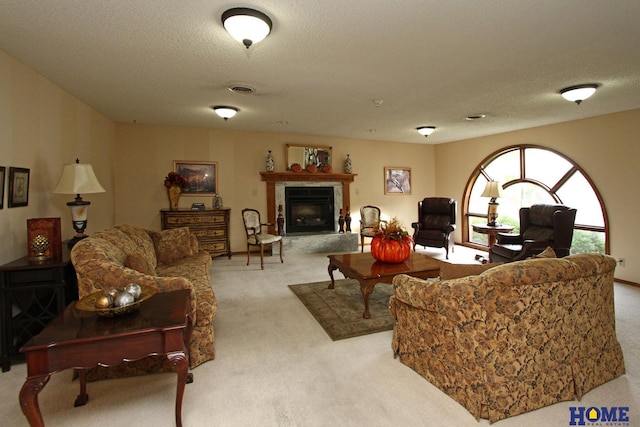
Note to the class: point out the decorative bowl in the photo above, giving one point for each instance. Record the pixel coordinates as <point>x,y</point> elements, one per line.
<point>88,303</point>
<point>296,168</point>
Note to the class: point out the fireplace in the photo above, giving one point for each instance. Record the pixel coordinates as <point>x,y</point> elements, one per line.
<point>309,209</point>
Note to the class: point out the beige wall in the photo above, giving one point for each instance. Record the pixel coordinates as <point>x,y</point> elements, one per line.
<point>41,128</point>
<point>146,154</point>
<point>606,147</point>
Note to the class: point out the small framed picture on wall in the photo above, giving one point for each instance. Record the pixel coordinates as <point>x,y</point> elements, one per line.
<point>202,177</point>
<point>18,187</point>
<point>2,173</point>
<point>397,180</point>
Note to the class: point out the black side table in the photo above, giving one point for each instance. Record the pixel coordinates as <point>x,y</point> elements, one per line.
<point>32,293</point>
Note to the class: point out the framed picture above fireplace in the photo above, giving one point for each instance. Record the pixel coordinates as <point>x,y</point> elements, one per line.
<point>397,180</point>
<point>319,155</point>
<point>202,177</point>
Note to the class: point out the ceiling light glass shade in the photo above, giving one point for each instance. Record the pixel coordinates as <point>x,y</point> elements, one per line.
<point>493,189</point>
<point>426,130</point>
<point>578,93</point>
<point>225,112</point>
<point>248,26</point>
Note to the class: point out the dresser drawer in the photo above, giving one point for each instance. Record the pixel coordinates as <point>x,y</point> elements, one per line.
<point>215,247</point>
<point>210,226</point>
<point>209,232</point>
<point>34,276</point>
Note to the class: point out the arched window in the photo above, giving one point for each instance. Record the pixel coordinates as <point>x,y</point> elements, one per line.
<point>532,174</point>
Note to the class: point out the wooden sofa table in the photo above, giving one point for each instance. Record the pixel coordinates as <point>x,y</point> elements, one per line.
<point>83,340</point>
<point>368,271</point>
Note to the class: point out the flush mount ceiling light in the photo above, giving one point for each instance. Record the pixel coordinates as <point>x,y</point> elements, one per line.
<point>248,26</point>
<point>426,130</point>
<point>578,93</point>
<point>224,111</point>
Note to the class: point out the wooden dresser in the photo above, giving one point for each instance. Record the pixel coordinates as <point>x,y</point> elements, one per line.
<point>211,227</point>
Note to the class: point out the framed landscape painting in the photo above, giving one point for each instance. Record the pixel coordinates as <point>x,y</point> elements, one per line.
<point>202,177</point>
<point>397,180</point>
<point>18,187</point>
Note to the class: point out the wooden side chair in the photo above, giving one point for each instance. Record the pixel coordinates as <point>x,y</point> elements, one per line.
<point>255,236</point>
<point>369,223</point>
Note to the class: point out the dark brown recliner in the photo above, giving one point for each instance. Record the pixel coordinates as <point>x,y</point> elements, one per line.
<point>436,223</point>
<point>540,226</point>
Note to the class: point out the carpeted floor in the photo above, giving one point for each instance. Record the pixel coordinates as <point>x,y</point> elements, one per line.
<point>339,311</point>
<point>275,367</point>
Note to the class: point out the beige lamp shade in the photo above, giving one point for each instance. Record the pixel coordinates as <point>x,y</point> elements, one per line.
<point>78,178</point>
<point>492,190</point>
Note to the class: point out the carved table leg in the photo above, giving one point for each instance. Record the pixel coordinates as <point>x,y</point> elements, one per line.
<point>180,364</point>
<point>331,269</point>
<point>366,289</point>
<point>29,399</point>
<point>83,397</point>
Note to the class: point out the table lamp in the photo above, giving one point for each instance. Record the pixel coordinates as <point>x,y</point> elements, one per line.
<point>492,190</point>
<point>78,178</point>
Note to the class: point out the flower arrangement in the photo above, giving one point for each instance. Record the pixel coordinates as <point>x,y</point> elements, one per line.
<point>392,244</point>
<point>393,231</point>
<point>174,178</point>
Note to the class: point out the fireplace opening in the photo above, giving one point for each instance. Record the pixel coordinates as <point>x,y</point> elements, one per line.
<point>309,209</point>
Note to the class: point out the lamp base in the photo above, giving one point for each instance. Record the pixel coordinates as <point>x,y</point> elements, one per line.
<point>75,240</point>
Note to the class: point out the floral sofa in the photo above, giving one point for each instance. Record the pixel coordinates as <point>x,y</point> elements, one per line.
<point>513,338</point>
<point>167,260</point>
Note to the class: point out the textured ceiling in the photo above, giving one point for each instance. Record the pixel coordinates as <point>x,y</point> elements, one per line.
<point>431,62</point>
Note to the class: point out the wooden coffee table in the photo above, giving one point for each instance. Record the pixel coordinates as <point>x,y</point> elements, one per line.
<point>368,271</point>
<point>83,340</point>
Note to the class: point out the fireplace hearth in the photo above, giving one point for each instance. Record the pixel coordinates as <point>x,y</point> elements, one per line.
<point>309,209</point>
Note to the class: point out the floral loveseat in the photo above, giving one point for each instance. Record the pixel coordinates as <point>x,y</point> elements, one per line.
<point>167,260</point>
<point>514,338</point>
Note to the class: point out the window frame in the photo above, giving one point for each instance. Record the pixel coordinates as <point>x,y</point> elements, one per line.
<point>480,170</point>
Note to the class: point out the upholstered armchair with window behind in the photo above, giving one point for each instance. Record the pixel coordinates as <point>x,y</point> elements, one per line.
<point>369,223</point>
<point>436,223</point>
<point>540,226</point>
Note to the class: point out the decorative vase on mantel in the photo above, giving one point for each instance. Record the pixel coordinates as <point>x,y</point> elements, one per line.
<point>347,165</point>
<point>174,192</point>
<point>270,166</point>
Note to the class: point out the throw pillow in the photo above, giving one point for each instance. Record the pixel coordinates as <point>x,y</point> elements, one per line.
<point>138,262</point>
<point>547,253</point>
<point>454,271</point>
<point>172,245</point>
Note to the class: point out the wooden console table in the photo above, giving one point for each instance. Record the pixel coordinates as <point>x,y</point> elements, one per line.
<point>83,340</point>
<point>211,227</point>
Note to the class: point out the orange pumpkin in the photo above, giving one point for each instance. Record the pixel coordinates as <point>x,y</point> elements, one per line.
<point>390,250</point>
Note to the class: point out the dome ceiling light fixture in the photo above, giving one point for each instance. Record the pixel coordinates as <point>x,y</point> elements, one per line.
<point>579,93</point>
<point>225,112</point>
<point>426,130</point>
<point>248,26</point>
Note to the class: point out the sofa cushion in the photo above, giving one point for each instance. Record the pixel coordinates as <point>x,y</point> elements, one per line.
<point>172,245</point>
<point>454,271</point>
<point>547,253</point>
<point>139,262</point>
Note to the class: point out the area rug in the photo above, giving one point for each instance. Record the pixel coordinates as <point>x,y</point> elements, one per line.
<point>339,311</point>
